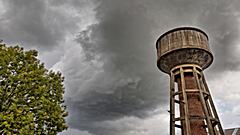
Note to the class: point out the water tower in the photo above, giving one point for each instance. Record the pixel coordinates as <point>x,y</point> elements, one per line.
<point>184,53</point>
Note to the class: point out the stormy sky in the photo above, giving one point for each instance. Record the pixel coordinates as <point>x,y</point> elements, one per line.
<point>106,51</point>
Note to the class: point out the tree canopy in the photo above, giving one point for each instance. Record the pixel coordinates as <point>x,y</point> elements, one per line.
<point>31,97</point>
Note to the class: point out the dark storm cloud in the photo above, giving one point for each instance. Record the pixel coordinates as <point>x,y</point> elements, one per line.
<point>117,77</point>
<point>222,25</point>
<point>124,41</point>
<point>34,23</point>
<point>132,99</point>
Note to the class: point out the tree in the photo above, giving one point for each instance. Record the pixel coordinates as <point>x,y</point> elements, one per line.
<point>31,97</point>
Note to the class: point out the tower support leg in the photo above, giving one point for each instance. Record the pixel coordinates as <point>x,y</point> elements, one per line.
<point>197,112</point>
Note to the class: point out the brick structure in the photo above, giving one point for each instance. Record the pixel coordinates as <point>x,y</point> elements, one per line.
<point>184,53</point>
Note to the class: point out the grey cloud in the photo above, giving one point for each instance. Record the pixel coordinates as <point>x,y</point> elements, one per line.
<point>71,131</point>
<point>35,23</point>
<point>222,24</point>
<point>123,101</point>
<point>124,41</point>
<point>110,96</point>
<point>112,73</point>
<point>78,4</point>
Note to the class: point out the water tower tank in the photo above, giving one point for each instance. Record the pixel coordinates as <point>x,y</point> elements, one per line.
<point>185,45</point>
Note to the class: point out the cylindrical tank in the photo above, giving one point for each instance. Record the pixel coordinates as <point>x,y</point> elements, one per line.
<point>184,45</point>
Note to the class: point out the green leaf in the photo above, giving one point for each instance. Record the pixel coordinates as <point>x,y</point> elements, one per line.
<point>31,96</point>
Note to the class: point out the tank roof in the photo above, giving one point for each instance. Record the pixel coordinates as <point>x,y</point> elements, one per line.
<point>181,28</point>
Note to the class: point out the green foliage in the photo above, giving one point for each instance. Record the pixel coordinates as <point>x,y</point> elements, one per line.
<point>31,97</point>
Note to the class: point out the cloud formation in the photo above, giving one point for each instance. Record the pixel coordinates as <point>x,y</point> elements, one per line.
<point>123,40</point>
<point>106,51</point>
<point>43,24</point>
